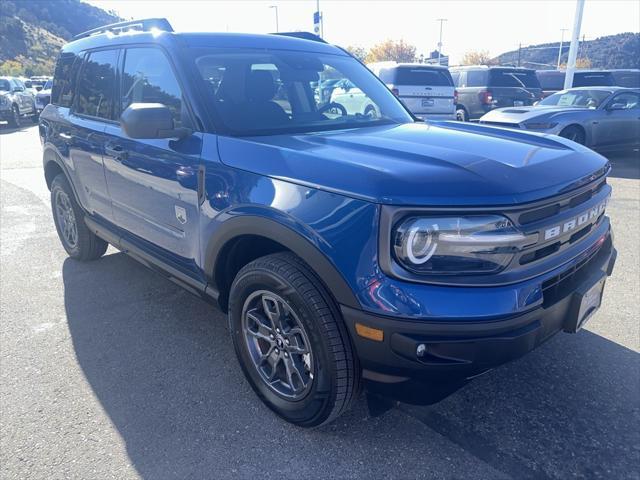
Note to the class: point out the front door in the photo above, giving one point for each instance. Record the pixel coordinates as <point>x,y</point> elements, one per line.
<point>153,183</point>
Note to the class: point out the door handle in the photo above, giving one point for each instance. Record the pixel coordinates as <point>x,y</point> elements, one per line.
<point>65,136</point>
<point>116,151</point>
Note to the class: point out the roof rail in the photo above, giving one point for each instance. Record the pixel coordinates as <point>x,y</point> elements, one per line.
<point>143,25</point>
<point>302,35</point>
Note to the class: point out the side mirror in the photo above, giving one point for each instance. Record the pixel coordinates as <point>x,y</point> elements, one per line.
<point>617,106</point>
<point>150,120</point>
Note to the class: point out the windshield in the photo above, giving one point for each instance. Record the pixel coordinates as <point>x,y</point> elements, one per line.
<point>48,85</point>
<point>514,78</point>
<point>4,85</point>
<point>258,92</point>
<point>576,98</point>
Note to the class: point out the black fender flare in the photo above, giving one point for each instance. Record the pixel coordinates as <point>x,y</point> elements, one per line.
<point>295,242</point>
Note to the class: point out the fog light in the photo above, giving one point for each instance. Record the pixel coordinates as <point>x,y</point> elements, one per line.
<point>421,350</point>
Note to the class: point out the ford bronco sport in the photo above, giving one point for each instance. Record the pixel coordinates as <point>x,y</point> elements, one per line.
<point>347,249</point>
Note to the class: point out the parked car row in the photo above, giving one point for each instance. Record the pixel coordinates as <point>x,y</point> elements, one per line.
<point>16,102</point>
<point>598,117</point>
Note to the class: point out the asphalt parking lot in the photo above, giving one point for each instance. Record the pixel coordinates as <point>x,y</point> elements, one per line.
<point>107,370</point>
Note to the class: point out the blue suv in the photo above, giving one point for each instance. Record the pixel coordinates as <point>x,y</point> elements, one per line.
<point>348,249</point>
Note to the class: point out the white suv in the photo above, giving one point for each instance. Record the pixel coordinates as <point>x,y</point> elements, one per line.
<point>426,90</point>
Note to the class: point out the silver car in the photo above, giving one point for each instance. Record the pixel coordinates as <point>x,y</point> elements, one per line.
<point>599,117</point>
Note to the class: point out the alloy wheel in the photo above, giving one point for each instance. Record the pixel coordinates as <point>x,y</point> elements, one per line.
<point>278,344</point>
<point>66,219</point>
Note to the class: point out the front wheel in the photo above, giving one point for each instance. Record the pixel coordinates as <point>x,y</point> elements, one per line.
<point>79,242</point>
<point>14,120</point>
<point>574,133</point>
<point>291,342</point>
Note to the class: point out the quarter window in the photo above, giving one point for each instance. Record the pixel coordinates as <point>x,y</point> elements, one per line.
<point>97,84</point>
<point>148,78</point>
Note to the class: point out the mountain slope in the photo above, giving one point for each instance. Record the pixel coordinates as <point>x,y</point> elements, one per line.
<point>613,51</point>
<point>32,32</point>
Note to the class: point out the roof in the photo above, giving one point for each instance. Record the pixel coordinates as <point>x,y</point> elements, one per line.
<point>391,64</point>
<point>603,88</point>
<point>490,67</point>
<point>204,39</point>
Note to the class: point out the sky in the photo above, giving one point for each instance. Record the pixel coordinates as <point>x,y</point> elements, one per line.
<point>493,25</point>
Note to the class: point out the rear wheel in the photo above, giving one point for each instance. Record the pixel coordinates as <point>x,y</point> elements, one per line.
<point>79,242</point>
<point>291,342</point>
<point>462,115</point>
<point>574,133</point>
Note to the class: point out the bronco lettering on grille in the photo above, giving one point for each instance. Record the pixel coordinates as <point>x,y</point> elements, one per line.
<point>572,224</point>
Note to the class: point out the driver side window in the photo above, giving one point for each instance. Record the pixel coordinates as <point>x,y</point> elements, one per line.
<point>629,100</point>
<point>149,78</point>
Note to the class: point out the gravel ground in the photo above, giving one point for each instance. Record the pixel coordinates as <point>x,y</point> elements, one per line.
<point>107,370</point>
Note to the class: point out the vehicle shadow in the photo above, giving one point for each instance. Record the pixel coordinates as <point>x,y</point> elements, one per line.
<point>5,129</point>
<point>161,363</point>
<point>625,164</point>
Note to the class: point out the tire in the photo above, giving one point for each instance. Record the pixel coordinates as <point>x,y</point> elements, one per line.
<point>462,115</point>
<point>328,374</point>
<point>79,242</point>
<point>574,133</point>
<point>370,111</point>
<point>14,121</point>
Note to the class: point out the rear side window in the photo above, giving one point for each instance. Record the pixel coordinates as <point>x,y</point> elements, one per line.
<point>551,80</point>
<point>97,85</point>
<point>149,78</point>
<point>423,76</point>
<point>63,80</point>
<point>476,78</point>
<point>387,75</point>
<point>604,79</point>
<point>627,79</point>
<point>455,76</point>
<point>513,78</point>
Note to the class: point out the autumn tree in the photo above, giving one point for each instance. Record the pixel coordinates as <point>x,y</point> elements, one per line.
<point>580,63</point>
<point>477,57</point>
<point>358,52</point>
<point>392,50</point>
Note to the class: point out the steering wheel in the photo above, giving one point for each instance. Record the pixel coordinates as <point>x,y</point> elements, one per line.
<point>328,107</point>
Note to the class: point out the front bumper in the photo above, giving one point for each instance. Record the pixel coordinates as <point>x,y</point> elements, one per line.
<point>459,350</point>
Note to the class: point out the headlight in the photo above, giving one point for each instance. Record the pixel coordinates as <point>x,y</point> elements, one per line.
<point>3,100</point>
<point>540,125</point>
<point>464,245</point>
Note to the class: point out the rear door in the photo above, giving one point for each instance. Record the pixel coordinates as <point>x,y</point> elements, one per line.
<point>83,132</point>
<point>154,182</point>
<point>425,91</point>
<point>514,87</point>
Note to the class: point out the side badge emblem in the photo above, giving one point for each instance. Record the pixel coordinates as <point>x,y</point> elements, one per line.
<point>181,214</point>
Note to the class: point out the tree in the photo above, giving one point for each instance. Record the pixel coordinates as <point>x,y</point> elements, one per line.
<point>477,57</point>
<point>395,50</point>
<point>358,52</point>
<point>580,63</point>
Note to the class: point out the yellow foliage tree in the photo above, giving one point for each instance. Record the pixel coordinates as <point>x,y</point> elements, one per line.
<point>391,50</point>
<point>477,57</point>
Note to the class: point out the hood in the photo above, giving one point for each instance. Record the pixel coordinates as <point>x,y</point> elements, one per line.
<point>524,114</point>
<point>432,164</point>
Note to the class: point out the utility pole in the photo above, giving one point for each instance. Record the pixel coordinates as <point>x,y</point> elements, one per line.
<point>275,7</point>
<point>318,21</point>
<point>560,50</point>
<point>441,20</point>
<point>573,49</point>
<point>519,52</point>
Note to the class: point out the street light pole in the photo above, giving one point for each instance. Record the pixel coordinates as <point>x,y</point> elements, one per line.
<point>573,49</point>
<point>560,50</point>
<point>441,20</point>
<point>276,9</point>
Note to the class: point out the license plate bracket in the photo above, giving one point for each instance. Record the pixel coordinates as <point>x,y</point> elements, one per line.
<point>428,102</point>
<point>585,302</point>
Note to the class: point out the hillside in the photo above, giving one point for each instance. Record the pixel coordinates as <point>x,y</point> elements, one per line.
<point>613,51</point>
<point>32,32</point>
